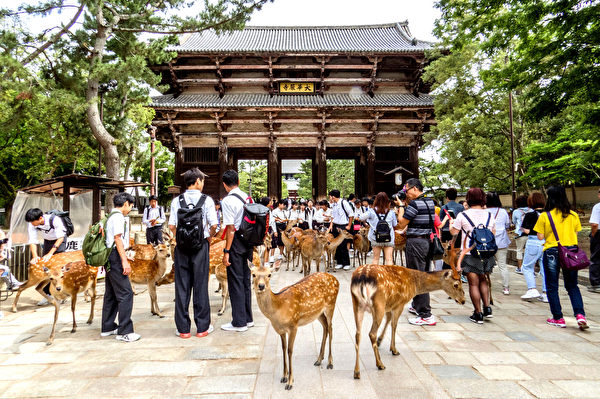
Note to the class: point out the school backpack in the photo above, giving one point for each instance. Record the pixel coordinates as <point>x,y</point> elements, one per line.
<point>94,247</point>
<point>64,216</point>
<point>382,230</point>
<point>190,225</point>
<point>482,239</point>
<point>253,228</point>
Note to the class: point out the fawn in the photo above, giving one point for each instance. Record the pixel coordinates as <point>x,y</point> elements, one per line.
<point>149,272</point>
<point>385,289</point>
<point>331,247</point>
<point>311,247</point>
<point>309,299</point>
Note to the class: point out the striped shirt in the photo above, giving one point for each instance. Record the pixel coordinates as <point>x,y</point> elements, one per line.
<point>421,219</point>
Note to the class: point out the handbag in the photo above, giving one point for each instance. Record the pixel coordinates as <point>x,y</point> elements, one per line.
<point>571,259</point>
<point>436,249</point>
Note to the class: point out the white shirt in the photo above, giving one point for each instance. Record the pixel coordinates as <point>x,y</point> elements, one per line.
<point>272,220</point>
<point>310,215</point>
<point>371,217</point>
<point>233,208</point>
<point>477,216</point>
<point>48,233</point>
<point>208,210</point>
<point>294,214</point>
<point>280,214</point>
<point>327,215</point>
<point>115,225</point>
<point>502,223</point>
<point>151,213</point>
<point>595,216</point>
<point>319,216</point>
<point>338,214</point>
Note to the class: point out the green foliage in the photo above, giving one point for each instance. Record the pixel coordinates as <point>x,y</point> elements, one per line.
<point>163,159</point>
<point>255,173</point>
<point>340,176</point>
<point>305,180</point>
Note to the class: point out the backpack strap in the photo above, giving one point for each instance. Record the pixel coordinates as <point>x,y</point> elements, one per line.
<point>146,211</point>
<point>161,211</point>
<point>344,209</point>
<point>239,197</point>
<point>429,214</point>
<point>553,227</point>
<point>470,221</point>
<point>52,221</point>
<point>488,219</point>
<point>380,218</point>
<point>199,204</point>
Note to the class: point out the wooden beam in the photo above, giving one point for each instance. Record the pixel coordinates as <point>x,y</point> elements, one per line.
<point>373,82</point>
<point>303,134</point>
<point>291,108</point>
<point>295,120</point>
<point>265,81</point>
<point>219,73</point>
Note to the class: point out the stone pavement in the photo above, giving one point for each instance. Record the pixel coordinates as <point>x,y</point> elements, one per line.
<point>515,355</point>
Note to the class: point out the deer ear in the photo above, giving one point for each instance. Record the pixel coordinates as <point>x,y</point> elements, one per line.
<point>447,274</point>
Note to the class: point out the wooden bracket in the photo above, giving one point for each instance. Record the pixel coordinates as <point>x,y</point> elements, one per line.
<point>176,84</point>
<point>371,87</point>
<point>218,117</point>
<point>219,72</point>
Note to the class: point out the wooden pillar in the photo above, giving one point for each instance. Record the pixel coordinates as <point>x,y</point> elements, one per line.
<point>273,171</point>
<point>414,160</point>
<point>96,205</point>
<point>371,170</point>
<point>360,174</point>
<point>66,197</point>
<point>223,164</point>
<point>321,169</point>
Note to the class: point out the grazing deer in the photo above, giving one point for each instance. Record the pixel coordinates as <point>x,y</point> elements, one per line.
<point>39,278</point>
<point>360,242</point>
<point>385,289</point>
<point>399,245</point>
<point>331,247</point>
<point>311,248</point>
<point>309,299</point>
<point>68,281</point>
<point>150,272</point>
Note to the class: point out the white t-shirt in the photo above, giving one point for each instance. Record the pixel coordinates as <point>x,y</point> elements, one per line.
<point>371,217</point>
<point>502,224</point>
<point>338,213</point>
<point>280,214</point>
<point>595,217</point>
<point>208,209</point>
<point>115,225</point>
<point>233,208</point>
<point>477,216</point>
<point>319,216</point>
<point>48,233</point>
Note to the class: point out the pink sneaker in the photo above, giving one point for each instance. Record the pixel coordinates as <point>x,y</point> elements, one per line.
<point>582,322</point>
<point>558,323</point>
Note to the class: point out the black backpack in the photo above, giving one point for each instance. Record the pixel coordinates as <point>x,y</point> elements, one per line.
<point>253,228</point>
<point>382,230</point>
<point>482,239</point>
<point>64,216</point>
<point>190,225</point>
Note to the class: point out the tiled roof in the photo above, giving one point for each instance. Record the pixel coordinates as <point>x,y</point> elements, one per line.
<point>299,101</point>
<point>388,38</point>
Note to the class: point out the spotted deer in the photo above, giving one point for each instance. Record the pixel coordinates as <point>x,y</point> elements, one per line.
<point>311,248</point>
<point>149,272</point>
<point>399,245</point>
<point>360,243</point>
<point>39,278</point>
<point>68,281</point>
<point>331,247</point>
<point>299,304</point>
<point>385,290</point>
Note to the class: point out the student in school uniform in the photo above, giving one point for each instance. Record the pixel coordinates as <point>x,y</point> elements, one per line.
<point>342,216</point>
<point>280,216</point>
<point>154,218</point>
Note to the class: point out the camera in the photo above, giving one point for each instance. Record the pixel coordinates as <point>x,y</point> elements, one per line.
<point>400,195</point>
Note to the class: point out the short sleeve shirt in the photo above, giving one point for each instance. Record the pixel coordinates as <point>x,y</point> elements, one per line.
<point>339,211</point>
<point>233,208</point>
<point>192,197</point>
<point>477,216</point>
<point>371,217</point>
<point>566,228</point>
<point>47,230</point>
<point>595,217</point>
<point>117,224</point>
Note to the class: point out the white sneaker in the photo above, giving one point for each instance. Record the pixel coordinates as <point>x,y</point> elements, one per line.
<point>205,333</point>
<point>250,324</point>
<point>271,259</point>
<point>338,267</point>
<point>423,321</point>
<point>530,295</point>
<point>43,302</point>
<point>347,267</point>
<point>109,333</point>
<point>280,257</point>
<point>351,250</point>
<point>131,337</point>
<point>543,298</point>
<point>506,291</point>
<point>413,311</point>
<point>231,327</point>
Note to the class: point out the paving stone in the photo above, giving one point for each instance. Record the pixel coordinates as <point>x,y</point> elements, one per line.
<point>470,346</point>
<point>456,319</point>
<point>458,358</point>
<point>166,354</point>
<point>134,386</point>
<point>551,371</point>
<point>486,336</point>
<point>339,384</point>
<point>583,372</point>
<point>221,384</point>
<point>42,358</point>
<point>499,358</point>
<point>543,389</point>
<point>426,346</point>
<point>91,370</point>
<point>485,389</point>
<point>50,388</point>
<point>440,335</point>
<point>21,372</point>
<point>429,358</point>
<point>180,369</point>
<point>225,352</point>
<point>460,372</point>
<point>545,358</point>
<point>503,372</point>
<point>580,389</point>
<point>580,358</point>
<point>515,347</point>
<point>521,336</point>
<point>231,367</point>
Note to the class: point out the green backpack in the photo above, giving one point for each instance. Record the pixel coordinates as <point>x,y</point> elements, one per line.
<point>94,247</point>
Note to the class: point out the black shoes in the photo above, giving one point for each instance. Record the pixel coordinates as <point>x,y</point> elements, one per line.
<point>476,318</point>
<point>487,312</point>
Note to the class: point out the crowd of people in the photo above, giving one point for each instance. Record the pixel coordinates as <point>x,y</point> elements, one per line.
<point>195,218</point>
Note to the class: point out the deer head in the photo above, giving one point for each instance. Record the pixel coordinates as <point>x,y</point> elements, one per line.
<point>453,286</point>
<point>261,278</point>
<point>56,276</point>
<point>162,251</point>
<point>450,257</point>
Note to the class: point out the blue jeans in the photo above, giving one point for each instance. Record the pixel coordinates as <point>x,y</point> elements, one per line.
<point>534,251</point>
<point>552,270</point>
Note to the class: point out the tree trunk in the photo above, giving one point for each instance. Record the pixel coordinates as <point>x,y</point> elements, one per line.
<point>111,155</point>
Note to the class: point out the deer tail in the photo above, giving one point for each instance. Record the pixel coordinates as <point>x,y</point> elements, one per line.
<point>363,288</point>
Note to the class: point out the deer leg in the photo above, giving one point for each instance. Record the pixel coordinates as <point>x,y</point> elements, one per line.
<point>290,350</point>
<point>323,321</point>
<point>378,312</point>
<point>56,308</point>
<point>224,295</point>
<point>329,316</point>
<point>359,313</point>
<point>489,283</point>
<point>218,288</point>
<point>27,284</point>
<point>73,303</point>
<point>154,300</point>
<point>93,301</point>
<point>395,316</point>
<point>285,365</point>
<point>133,288</point>
<point>388,318</point>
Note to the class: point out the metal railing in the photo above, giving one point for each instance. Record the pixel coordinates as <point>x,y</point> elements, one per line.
<point>20,255</point>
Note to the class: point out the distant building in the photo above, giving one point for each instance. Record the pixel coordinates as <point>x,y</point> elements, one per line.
<point>290,173</point>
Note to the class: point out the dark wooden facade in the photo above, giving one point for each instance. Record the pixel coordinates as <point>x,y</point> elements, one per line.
<point>369,104</point>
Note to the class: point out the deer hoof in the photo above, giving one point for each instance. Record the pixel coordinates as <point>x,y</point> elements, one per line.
<point>394,352</point>
<point>330,366</point>
<point>357,375</point>
<point>381,367</point>
<point>89,321</point>
<point>161,316</point>
<point>48,343</point>
<point>288,387</point>
<point>219,313</point>
<point>73,331</point>
<point>283,379</point>
<point>317,363</point>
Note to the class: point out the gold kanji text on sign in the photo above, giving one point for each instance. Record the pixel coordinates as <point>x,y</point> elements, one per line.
<point>296,88</point>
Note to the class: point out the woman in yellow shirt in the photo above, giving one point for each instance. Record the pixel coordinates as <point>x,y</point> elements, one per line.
<point>567,225</point>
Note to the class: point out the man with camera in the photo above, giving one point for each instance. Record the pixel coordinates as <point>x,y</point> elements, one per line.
<point>418,216</point>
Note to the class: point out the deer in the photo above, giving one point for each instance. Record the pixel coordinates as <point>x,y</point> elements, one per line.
<point>399,245</point>
<point>68,281</point>
<point>299,304</point>
<point>290,242</point>
<point>385,290</point>
<point>332,244</point>
<point>360,243</point>
<point>311,248</point>
<point>150,272</point>
<point>39,278</point>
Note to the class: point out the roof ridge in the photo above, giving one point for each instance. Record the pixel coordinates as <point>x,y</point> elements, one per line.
<point>323,27</point>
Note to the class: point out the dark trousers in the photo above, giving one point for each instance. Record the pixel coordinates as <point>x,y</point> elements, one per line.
<point>238,279</point>
<point>417,258</point>
<point>154,235</point>
<point>118,297</point>
<point>48,244</point>
<point>552,271</point>
<point>595,260</point>
<point>191,274</point>
<point>342,257</point>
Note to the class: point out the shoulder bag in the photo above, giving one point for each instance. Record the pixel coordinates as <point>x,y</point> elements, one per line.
<point>573,258</point>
